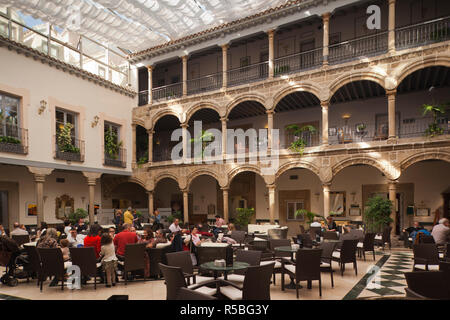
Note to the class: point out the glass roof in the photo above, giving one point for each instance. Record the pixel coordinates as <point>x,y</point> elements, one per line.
<point>139,24</point>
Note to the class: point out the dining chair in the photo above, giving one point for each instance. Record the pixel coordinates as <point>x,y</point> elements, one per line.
<point>186,294</point>
<point>306,240</point>
<point>85,259</point>
<point>252,257</point>
<point>134,259</point>
<point>35,265</point>
<point>368,244</point>
<point>426,284</point>
<point>277,255</point>
<point>183,260</point>
<point>239,237</point>
<point>306,268</point>
<point>256,284</point>
<point>347,254</point>
<point>174,280</point>
<point>157,255</point>
<point>327,258</point>
<point>426,257</point>
<point>330,235</point>
<point>20,239</point>
<point>52,265</point>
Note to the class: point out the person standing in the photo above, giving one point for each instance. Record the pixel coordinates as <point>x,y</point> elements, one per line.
<point>109,259</point>
<point>128,217</point>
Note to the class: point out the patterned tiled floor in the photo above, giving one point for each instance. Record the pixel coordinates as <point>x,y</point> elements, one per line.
<point>385,278</point>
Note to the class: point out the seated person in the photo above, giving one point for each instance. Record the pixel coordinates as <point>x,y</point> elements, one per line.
<point>64,244</point>
<point>441,232</point>
<point>159,238</point>
<point>146,237</point>
<point>331,225</point>
<point>122,239</point>
<point>195,237</point>
<point>175,227</point>
<point>203,231</point>
<point>414,234</point>
<point>81,226</point>
<point>74,238</point>
<point>18,230</point>
<point>416,227</point>
<point>218,225</point>
<point>316,222</point>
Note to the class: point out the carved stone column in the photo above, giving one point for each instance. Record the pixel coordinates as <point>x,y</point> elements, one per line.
<point>271,203</point>
<point>224,65</point>
<point>151,208</point>
<point>324,105</point>
<point>392,187</point>
<point>184,60</point>
<point>133,148</point>
<point>326,36</point>
<point>391,27</point>
<point>269,129</point>
<point>391,94</point>
<point>326,199</point>
<point>184,133</point>
<point>224,137</point>
<point>150,84</point>
<point>271,36</point>
<point>225,204</point>
<point>150,133</point>
<point>39,178</point>
<point>185,206</point>
<point>91,181</point>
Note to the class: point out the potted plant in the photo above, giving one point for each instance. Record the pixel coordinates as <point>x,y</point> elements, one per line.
<point>299,144</point>
<point>433,128</point>
<point>112,145</point>
<point>307,214</point>
<point>377,214</point>
<point>66,148</point>
<point>78,214</point>
<point>175,215</point>
<point>204,138</point>
<point>244,216</point>
<point>360,128</point>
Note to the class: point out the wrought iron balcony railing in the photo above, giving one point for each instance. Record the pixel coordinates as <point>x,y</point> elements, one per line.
<point>423,33</point>
<point>251,73</point>
<point>360,47</point>
<point>298,61</point>
<point>206,83</point>
<point>13,139</point>
<point>116,160</point>
<point>171,91</point>
<point>73,151</point>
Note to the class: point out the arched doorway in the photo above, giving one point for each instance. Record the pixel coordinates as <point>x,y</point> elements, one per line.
<point>162,144</point>
<point>168,199</point>
<point>206,199</point>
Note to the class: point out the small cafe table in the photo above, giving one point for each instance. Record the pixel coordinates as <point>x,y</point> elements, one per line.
<point>237,265</point>
<point>292,251</point>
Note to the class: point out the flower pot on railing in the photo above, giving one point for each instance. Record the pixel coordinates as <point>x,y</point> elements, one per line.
<point>11,144</point>
<point>68,153</point>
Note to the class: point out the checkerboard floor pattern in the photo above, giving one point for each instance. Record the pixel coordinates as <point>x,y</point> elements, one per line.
<point>390,279</point>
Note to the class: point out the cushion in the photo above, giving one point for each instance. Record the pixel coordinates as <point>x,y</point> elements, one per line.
<point>202,279</point>
<point>410,239</point>
<point>360,245</point>
<point>231,292</point>
<point>261,228</point>
<point>259,239</point>
<point>431,267</point>
<point>67,264</point>
<point>204,290</point>
<point>441,255</point>
<point>214,244</point>
<point>98,265</point>
<point>163,245</point>
<point>325,265</point>
<point>277,263</point>
<point>121,262</point>
<point>290,267</point>
<point>336,254</point>
<point>377,237</point>
<point>237,279</point>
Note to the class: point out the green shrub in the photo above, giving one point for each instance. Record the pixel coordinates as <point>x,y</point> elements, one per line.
<point>377,214</point>
<point>244,216</point>
<point>7,139</point>
<point>78,214</point>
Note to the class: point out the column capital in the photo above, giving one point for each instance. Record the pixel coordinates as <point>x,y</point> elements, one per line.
<point>149,192</point>
<point>271,187</point>
<point>270,111</point>
<point>326,16</point>
<point>326,185</point>
<point>392,182</point>
<point>40,173</point>
<point>184,125</point>
<point>225,189</point>
<point>391,2</point>
<point>225,46</point>
<point>150,68</point>
<point>185,191</point>
<point>92,177</point>
<point>324,104</point>
<point>184,58</point>
<point>223,119</point>
<point>391,93</point>
<point>270,32</point>
<point>150,131</point>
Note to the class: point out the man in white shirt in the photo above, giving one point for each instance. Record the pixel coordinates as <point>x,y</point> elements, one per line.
<point>74,238</point>
<point>175,227</point>
<point>18,230</point>
<point>441,232</point>
<point>316,222</point>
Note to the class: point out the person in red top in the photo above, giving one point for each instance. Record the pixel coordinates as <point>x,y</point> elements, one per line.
<point>93,239</point>
<point>122,239</point>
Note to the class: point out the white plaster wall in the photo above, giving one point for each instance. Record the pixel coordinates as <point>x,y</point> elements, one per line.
<point>204,191</point>
<point>75,186</point>
<point>36,81</point>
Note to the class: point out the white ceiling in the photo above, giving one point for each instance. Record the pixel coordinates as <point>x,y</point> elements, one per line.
<point>139,24</point>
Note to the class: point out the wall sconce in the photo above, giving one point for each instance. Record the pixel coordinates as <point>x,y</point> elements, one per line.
<point>42,107</point>
<point>95,122</point>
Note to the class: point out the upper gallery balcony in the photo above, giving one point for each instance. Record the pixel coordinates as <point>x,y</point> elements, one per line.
<point>310,43</point>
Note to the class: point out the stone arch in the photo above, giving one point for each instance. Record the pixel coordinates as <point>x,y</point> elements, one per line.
<point>111,183</point>
<point>246,97</point>
<point>202,105</point>
<point>297,165</point>
<point>165,175</point>
<point>139,122</point>
<point>429,155</point>
<point>162,114</point>
<point>352,77</point>
<point>201,172</point>
<point>390,171</point>
<point>401,73</point>
<point>234,172</point>
<point>306,87</point>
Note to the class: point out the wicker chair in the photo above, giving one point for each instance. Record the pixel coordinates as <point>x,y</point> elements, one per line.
<point>134,259</point>
<point>86,260</point>
<point>347,254</point>
<point>327,258</point>
<point>182,259</point>
<point>52,265</point>
<point>426,257</point>
<point>368,244</point>
<point>425,284</point>
<point>306,268</point>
